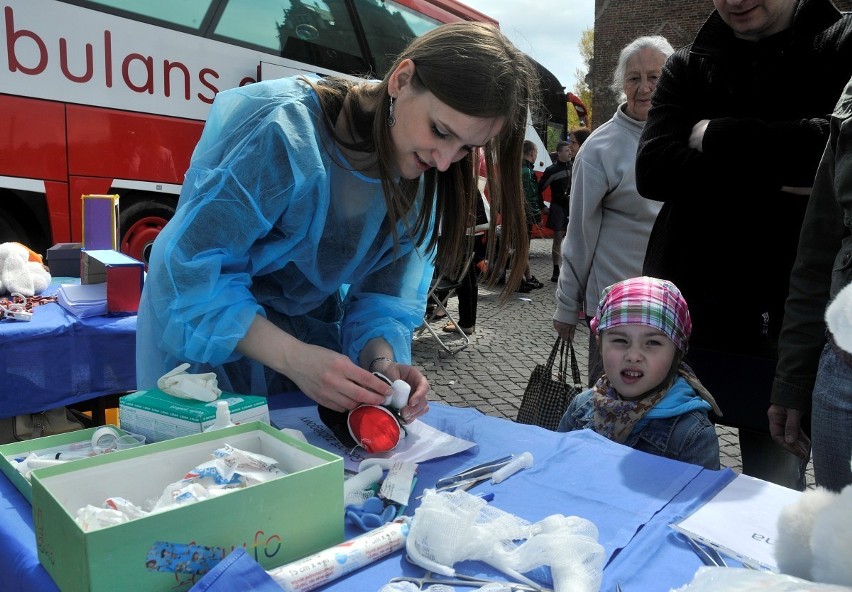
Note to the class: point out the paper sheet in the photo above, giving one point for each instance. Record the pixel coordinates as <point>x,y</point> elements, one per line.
<point>422,443</point>
<point>741,520</point>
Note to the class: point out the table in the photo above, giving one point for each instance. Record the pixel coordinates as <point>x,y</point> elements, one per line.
<point>631,497</point>
<point>59,359</point>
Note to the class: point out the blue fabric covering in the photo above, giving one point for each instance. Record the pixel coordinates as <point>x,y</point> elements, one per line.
<point>238,572</point>
<point>272,221</point>
<point>58,359</point>
<point>631,496</point>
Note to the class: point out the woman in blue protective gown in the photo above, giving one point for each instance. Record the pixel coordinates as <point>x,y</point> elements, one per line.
<point>303,244</point>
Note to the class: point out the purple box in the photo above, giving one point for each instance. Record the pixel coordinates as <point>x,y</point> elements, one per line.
<point>100,222</point>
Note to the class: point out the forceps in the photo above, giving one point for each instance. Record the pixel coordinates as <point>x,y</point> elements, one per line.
<point>463,582</point>
<point>471,477</point>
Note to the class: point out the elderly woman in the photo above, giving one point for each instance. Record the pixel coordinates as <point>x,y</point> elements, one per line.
<point>610,223</point>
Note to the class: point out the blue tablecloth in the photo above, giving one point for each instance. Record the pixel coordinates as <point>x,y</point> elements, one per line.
<point>631,497</point>
<point>58,359</point>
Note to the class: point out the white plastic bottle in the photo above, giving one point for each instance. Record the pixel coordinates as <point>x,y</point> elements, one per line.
<point>223,416</point>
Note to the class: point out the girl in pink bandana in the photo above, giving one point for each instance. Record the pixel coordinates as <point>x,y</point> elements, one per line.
<point>648,398</point>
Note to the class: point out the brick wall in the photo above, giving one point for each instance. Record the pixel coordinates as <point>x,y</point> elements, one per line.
<point>618,22</point>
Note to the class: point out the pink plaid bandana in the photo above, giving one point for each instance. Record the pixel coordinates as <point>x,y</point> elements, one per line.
<point>645,301</point>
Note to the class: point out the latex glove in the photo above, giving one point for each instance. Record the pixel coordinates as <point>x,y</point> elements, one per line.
<point>201,387</point>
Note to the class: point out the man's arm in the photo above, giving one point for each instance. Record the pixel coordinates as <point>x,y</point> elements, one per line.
<point>803,331</point>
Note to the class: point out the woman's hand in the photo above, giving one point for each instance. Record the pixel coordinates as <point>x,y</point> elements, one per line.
<point>327,377</point>
<point>565,330</point>
<point>333,381</point>
<point>418,400</point>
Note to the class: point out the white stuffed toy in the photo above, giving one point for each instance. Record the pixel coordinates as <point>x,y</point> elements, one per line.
<point>815,533</point>
<point>815,537</point>
<point>21,271</point>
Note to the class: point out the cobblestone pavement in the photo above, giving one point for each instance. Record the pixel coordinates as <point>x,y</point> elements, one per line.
<point>491,373</point>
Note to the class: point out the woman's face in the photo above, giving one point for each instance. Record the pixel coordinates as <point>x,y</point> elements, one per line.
<point>428,133</point>
<point>640,79</point>
<point>636,358</point>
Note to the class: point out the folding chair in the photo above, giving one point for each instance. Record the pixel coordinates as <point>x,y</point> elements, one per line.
<point>444,285</point>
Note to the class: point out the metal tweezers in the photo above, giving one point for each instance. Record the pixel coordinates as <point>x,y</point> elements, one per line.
<point>462,581</point>
<point>472,476</point>
<point>707,554</point>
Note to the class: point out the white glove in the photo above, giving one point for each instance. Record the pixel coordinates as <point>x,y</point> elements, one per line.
<point>201,387</point>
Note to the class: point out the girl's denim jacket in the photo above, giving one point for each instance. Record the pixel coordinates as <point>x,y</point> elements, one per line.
<point>690,437</point>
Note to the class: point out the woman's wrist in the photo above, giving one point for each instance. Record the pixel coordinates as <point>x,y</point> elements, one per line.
<point>378,363</point>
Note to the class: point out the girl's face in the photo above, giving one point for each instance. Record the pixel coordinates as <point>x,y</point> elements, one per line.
<point>428,133</point>
<point>636,358</point>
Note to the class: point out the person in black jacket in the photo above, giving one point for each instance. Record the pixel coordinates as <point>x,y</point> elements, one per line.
<point>733,159</point>
<point>812,369</point>
<point>558,177</point>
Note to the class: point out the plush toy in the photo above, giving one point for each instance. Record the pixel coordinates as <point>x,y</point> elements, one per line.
<point>22,271</point>
<point>815,537</point>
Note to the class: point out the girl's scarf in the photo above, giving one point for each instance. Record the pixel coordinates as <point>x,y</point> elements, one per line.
<point>615,418</point>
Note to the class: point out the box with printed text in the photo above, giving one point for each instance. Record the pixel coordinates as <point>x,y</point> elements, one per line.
<point>160,416</point>
<point>275,521</point>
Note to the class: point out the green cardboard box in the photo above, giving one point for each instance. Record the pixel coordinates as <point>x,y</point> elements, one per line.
<point>160,416</point>
<point>58,442</point>
<point>276,521</point>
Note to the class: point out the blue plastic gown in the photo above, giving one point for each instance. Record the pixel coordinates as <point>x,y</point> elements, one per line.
<point>270,221</point>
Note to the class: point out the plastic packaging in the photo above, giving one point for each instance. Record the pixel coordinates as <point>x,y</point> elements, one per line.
<point>223,416</point>
<point>523,461</point>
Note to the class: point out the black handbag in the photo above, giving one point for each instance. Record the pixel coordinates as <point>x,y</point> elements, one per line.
<point>546,398</point>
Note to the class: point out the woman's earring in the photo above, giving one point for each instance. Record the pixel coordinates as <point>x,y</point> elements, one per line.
<point>391,118</point>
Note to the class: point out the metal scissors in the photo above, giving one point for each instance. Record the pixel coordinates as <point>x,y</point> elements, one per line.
<point>463,582</point>
<point>472,476</point>
<point>16,308</point>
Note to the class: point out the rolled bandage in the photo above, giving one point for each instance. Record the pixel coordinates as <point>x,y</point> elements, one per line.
<point>522,461</point>
<point>105,438</point>
<point>329,564</point>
